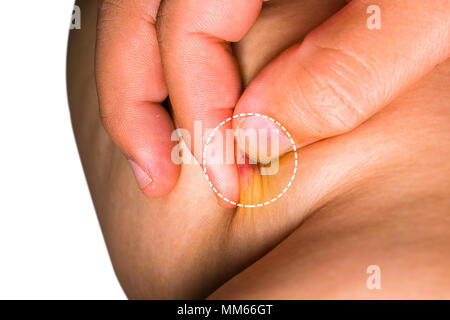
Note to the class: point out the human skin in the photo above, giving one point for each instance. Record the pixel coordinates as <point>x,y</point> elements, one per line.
<point>378,195</point>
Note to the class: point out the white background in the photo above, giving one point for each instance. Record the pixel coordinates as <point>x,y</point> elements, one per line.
<point>51,246</point>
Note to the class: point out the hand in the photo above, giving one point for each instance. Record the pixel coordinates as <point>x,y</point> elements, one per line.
<point>326,85</point>
<point>201,74</point>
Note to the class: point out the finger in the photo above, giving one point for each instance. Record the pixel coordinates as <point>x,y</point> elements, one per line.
<point>344,71</point>
<point>131,87</point>
<point>201,72</point>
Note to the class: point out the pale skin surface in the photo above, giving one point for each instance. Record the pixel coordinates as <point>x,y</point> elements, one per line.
<point>377,195</point>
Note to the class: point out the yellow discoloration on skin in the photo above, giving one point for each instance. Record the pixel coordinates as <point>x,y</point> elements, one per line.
<point>255,188</point>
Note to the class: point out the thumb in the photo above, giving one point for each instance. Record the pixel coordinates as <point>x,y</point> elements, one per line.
<point>344,71</point>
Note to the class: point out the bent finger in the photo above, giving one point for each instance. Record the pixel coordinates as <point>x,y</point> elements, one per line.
<point>131,87</point>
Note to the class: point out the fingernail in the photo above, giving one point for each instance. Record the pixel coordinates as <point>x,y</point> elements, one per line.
<point>259,125</point>
<point>143,179</point>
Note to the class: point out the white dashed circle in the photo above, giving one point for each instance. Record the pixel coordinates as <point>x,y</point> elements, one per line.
<point>291,180</point>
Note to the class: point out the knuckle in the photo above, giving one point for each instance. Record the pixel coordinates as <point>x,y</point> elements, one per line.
<point>324,104</point>
<point>332,99</point>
